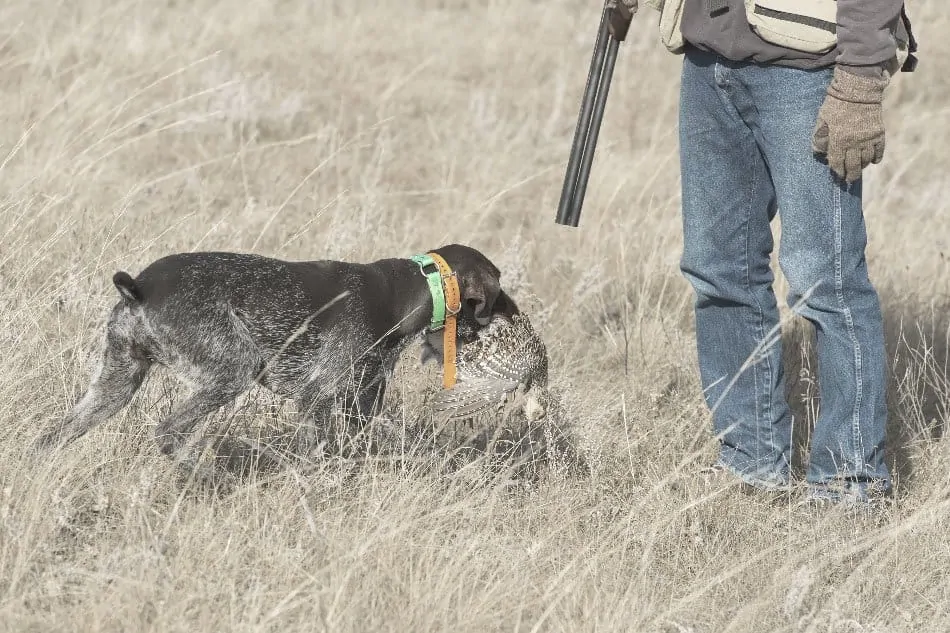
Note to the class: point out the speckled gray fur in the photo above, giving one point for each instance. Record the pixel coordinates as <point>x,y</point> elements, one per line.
<point>324,333</point>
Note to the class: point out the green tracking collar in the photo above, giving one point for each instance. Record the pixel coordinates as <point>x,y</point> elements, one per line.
<point>435,288</point>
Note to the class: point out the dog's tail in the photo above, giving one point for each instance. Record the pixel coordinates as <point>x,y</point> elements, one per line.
<point>127,287</point>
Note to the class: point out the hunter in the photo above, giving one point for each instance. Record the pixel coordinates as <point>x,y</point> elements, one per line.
<point>781,111</point>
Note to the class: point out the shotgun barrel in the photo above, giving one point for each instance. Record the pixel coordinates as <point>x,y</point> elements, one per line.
<point>614,24</point>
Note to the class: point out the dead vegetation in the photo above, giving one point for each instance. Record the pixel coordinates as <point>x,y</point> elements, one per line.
<point>325,129</point>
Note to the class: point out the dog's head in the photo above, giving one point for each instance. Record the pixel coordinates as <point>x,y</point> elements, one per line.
<point>482,295</point>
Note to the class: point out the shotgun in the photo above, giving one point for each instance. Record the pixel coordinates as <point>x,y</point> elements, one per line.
<point>614,23</point>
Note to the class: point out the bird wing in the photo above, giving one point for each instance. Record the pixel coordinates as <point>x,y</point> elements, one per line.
<point>506,367</point>
<point>473,396</point>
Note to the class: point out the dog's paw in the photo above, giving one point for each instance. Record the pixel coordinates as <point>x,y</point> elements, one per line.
<point>45,443</point>
<point>53,438</point>
<point>207,477</point>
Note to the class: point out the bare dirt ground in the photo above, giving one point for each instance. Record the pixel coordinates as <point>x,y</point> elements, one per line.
<point>361,130</point>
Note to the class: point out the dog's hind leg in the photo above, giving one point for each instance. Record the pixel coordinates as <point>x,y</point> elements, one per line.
<point>173,431</point>
<point>121,371</point>
<point>219,368</point>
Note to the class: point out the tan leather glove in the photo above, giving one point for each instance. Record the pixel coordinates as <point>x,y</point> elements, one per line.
<point>850,126</point>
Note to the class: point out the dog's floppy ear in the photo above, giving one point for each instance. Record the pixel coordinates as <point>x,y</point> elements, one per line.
<point>479,283</point>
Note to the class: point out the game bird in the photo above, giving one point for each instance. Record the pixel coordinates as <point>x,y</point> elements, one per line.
<point>508,357</point>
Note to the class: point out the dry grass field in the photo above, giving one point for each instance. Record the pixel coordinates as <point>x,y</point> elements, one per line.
<point>322,129</point>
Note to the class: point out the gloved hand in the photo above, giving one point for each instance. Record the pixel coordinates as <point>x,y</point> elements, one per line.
<point>630,4</point>
<point>850,126</point>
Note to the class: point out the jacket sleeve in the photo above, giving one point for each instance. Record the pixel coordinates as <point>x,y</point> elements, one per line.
<point>865,32</point>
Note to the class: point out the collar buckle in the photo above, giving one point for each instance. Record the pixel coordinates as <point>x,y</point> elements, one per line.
<point>444,287</point>
<point>450,311</point>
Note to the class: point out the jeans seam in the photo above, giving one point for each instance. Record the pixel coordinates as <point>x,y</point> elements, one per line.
<point>756,369</point>
<point>760,313</point>
<point>849,320</point>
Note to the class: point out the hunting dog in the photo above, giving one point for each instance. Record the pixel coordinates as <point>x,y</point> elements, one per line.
<point>324,333</point>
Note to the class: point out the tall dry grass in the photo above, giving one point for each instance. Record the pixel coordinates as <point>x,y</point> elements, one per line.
<point>360,130</point>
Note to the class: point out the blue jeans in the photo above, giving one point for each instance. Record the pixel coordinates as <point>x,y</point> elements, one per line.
<point>745,152</point>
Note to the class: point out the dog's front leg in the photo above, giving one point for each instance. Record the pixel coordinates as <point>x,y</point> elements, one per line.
<point>366,404</point>
<point>331,424</point>
<point>358,411</point>
<point>312,434</point>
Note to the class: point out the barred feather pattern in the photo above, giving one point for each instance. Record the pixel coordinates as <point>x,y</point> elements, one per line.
<point>508,356</point>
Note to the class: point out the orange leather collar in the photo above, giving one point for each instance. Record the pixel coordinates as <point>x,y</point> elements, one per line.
<point>453,305</point>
